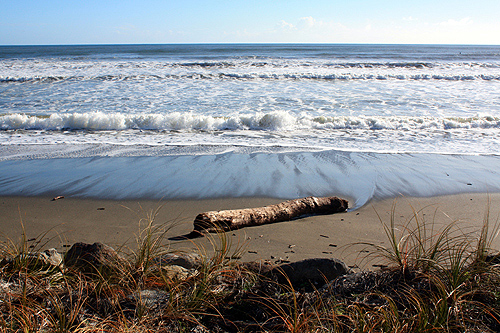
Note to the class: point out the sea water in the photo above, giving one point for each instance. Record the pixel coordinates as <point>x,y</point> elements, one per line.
<point>279,120</point>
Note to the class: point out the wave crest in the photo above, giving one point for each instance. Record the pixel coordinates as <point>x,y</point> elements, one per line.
<point>272,121</point>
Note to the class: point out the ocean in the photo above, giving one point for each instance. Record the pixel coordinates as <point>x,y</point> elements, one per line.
<point>239,120</point>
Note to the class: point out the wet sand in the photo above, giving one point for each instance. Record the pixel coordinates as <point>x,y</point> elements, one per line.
<point>118,223</point>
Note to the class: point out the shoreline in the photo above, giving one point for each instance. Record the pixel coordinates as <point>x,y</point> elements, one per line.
<point>117,223</point>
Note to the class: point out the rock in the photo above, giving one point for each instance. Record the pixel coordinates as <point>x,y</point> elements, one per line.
<point>174,272</point>
<point>259,267</point>
<point>51,257</point>
<point>311,272</point>
<point>188,261</point>
<point>493,259</point>
<point>45,260</point>
<point>91,258</point>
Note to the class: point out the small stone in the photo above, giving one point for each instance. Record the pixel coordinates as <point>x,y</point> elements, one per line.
<point>174,272</point>
<point>51,257</point>
<point>185,260</point>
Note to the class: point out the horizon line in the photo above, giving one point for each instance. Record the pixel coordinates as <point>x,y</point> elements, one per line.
<point>242,43</point>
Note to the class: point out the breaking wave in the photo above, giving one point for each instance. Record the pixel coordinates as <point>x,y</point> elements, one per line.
<point>255,76</point>
<point>274,121</point>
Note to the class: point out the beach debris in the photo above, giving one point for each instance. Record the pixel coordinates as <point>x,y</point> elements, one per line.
<point>233,257</point>
<point>332,245</point>
<point>101,208</point>
<point>254,252</point>
<point>59,197</point>
<point>225,220</point>
<point>324,236</point>
<point>291,246</point>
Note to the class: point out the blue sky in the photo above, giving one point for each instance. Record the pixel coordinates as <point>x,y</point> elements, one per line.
<point>29,22</point>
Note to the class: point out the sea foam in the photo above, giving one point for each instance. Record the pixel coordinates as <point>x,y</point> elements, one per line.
<point>276,120</point>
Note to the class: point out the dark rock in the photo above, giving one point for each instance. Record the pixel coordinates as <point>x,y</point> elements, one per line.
<point>493,259</point>
<point>315,272</point>
<point>91,258</point>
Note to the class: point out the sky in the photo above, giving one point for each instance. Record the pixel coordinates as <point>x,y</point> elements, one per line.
<point>42,22</point>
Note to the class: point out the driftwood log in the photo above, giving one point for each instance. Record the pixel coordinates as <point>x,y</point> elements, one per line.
<point>226,220</point>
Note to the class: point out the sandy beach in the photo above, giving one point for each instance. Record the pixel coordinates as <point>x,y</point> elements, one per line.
<point>118,223</point>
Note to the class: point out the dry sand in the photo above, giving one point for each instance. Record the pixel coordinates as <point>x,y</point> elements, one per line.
<point>117,223</point>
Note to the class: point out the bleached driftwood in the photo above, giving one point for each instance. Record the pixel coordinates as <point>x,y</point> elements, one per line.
<point>214,221</point>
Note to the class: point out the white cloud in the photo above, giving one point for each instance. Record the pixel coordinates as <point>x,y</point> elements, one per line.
<point>454,23</point>
<point>309,22</point>
<point>409,30</point>
<point>286,26</point>
<point>410,19</point>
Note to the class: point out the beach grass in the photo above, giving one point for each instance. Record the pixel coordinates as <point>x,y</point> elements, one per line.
<point>442,278</point>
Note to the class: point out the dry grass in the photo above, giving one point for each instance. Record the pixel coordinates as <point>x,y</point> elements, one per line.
<point>440,278</point>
